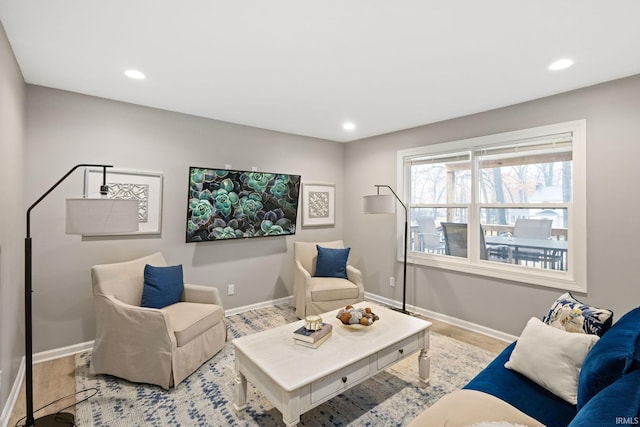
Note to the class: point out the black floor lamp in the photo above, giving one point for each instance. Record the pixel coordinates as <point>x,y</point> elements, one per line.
<point>83,216</point>
<point>385,204</point>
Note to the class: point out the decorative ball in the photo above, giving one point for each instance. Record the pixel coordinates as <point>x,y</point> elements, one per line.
<point>357,316</point>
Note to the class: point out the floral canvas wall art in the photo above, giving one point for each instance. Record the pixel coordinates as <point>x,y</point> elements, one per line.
<point>232,204</point>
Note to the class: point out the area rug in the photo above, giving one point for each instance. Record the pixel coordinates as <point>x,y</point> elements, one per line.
<point>391,398</point>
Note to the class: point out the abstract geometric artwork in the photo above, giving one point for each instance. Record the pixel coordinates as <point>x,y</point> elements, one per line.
<point>318,204</point>
<point>132,191</point>
<point>146,187</point>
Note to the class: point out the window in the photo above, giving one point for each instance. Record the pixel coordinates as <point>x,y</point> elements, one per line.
<point>510,205</point>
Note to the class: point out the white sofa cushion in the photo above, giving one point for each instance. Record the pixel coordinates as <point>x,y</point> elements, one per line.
<point>551,357</point>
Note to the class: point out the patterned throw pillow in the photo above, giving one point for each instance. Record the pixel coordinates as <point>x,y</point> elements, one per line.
<point>569,314</point>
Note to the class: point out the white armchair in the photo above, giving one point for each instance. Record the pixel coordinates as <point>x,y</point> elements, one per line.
<point>148,345</point>
<point>315,295</point>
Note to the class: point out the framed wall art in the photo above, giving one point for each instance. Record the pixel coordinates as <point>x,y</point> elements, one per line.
<point>318,204</point>
<point>233,204</point>
<point>146,187</point>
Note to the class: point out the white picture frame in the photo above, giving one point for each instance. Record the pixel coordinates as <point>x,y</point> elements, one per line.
<point>318,204</point>
<point>128,184</point>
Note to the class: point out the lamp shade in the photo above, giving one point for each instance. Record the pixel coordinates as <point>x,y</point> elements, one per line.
<point>101,216</point>
<point>379,204</point>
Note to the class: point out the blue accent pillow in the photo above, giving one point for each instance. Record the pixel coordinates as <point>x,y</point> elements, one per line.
<point>616,354</point>
<point>163,286</point>
<point>571,315</point>
<point>618,404</point>
<point>332,262</point>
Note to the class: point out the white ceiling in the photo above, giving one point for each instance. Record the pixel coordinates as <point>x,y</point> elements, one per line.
<point>305,67</point>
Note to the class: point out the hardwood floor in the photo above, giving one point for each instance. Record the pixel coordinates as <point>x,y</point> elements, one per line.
<point>491,344</point>
<point>54,379</point>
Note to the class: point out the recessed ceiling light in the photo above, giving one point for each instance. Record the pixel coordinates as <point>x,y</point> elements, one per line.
<point>349,126</point>
<point>561,64</point>
<point>135,74</point>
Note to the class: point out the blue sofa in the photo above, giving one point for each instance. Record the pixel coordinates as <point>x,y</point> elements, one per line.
<point>608,385</point>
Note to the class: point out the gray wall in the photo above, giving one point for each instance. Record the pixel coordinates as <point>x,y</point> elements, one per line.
<point>612,111</point>
<point>65,128</point>
<point>12,122</point>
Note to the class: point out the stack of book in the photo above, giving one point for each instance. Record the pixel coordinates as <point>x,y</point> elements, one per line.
<point>309,338</point>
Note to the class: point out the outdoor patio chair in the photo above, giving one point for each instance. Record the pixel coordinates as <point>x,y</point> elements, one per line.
<point>455,240</point>
<point>430,239</point>
<point>534,229</point>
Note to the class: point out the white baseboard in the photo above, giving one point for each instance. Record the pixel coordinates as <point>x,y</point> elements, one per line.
<point>13,396</point>
<point>470,326</point>
<point>57,353</point>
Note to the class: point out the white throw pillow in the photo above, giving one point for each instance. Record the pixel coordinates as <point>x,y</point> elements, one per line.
<point>551,357</point>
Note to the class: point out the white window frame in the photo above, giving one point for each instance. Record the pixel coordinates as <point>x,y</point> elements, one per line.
<point>575,277</point>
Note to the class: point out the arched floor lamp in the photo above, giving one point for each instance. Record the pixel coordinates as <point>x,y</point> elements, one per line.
<point>83,216</point>
<point>385,204</point>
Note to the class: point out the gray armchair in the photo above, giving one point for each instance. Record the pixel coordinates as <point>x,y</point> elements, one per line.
<point>315,295</point>
<point>148,345</point>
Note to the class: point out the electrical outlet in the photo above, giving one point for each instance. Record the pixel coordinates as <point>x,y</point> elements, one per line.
<point>231,289</point>
<point>392,281</point>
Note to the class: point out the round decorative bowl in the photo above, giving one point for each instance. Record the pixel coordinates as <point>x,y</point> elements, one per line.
<point>349,313</point>
<point>357,326</point>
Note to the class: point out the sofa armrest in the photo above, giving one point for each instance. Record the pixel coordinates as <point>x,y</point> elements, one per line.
<point>201,294</point>
<point>467,407</point>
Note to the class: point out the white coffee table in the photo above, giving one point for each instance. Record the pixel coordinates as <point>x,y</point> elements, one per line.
<point>296,379</point>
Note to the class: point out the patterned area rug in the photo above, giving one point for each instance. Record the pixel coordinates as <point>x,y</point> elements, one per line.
<point>391,398</point>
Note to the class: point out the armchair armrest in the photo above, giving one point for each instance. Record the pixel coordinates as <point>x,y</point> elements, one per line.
<point>201,294</point>
<point>301,270</point>
<point>301,290</point>
<point>354,275</point>
<point>126,333</point>
<point>140,325</point>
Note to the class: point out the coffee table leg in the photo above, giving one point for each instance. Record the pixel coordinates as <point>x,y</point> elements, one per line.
<point>424,367</point>
<point>291,423</point>
<point>240,401</point>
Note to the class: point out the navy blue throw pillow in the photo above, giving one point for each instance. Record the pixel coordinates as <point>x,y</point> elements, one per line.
<point>163,286</point>
<point>332,262</point>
